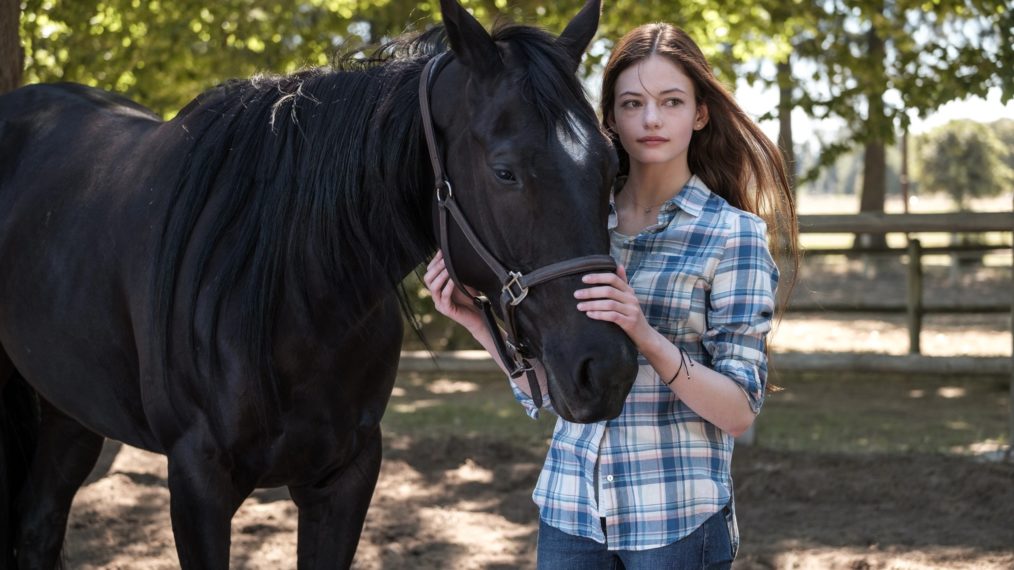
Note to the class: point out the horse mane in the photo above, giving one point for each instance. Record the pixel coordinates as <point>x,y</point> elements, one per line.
<point>324,167</point>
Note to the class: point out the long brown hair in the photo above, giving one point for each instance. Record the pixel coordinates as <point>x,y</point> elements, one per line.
<point>730,154</point>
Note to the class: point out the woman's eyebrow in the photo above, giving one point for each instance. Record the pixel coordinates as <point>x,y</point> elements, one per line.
<point>663,92</point>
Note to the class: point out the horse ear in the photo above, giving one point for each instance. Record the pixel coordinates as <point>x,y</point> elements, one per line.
<point>580,31</point>
<point>469,40</point>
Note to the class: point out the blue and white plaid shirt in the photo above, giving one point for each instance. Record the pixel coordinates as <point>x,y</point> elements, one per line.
<point>706,280</point>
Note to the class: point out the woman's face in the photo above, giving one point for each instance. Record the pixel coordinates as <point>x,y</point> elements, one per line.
<point>655,112</point>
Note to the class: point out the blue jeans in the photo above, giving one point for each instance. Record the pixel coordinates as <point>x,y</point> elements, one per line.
<point>709,547</point>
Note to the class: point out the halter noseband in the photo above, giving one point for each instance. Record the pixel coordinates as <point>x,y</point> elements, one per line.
<point>514,284</point>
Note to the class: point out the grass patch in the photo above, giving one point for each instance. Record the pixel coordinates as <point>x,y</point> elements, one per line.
<point>850,413</point>
<point>464,405</point>
<point>884,413</point>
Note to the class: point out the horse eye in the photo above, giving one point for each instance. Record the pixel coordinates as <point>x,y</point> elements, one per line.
<point>505,175</point>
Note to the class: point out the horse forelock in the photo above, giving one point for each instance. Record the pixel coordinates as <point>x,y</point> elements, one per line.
<point>548,81</point>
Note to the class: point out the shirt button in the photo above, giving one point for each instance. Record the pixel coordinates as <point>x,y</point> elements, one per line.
<point>609,478</point>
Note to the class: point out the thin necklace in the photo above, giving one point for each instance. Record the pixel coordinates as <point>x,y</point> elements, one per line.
<point>648,209</point>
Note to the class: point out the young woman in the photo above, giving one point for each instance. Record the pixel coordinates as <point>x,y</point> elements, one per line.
<point>695,292</point>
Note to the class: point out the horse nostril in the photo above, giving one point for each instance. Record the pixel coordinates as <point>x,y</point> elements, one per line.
<point>585,373</point>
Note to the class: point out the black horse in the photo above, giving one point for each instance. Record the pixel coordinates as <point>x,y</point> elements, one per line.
<point>221,288</point>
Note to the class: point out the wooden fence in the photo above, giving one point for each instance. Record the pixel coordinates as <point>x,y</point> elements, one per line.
<point>962,222</point>
<point>914,307</point>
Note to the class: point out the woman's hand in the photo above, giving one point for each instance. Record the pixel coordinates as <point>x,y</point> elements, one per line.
<point>612,299</point>
<point>448,300</point>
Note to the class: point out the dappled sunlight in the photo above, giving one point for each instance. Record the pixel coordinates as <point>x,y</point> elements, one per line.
<point>477,538</point>
<point>812,557</point>
<point>987,448</point>
<point>415,406</point>
<point>446,386</point>
<point>915,394</point>
<point>469,472</point>
<point>950,392</point>
<point>889,335</point>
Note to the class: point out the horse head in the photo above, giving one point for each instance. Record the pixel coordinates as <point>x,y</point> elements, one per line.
<point>531,172</point>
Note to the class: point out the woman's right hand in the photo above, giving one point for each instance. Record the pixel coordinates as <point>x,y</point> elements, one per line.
<point>447,298</point>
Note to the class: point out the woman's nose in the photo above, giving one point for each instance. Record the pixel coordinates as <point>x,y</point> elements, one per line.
<point>652,118</point>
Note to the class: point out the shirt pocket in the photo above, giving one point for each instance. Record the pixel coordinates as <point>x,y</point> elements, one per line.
<point>673,293</point>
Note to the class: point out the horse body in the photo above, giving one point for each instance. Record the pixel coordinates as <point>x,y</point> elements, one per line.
<point>64,214</point>
<point>103,218</point>
<point>220,288</point>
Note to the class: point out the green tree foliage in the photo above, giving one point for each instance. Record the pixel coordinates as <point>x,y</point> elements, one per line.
<point>874,62</point>
<point>965,160</point>
<point>912,56</point>
<point>162,53</point>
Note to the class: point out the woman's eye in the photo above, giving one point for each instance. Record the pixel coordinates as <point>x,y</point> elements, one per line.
<point>631,104</point>
<point>504,175</point>
<point>673,102</point>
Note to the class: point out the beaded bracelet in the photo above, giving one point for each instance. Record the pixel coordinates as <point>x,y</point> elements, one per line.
<point>683,364</point>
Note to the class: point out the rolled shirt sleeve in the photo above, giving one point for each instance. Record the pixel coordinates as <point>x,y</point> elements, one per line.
<point>742,306</point>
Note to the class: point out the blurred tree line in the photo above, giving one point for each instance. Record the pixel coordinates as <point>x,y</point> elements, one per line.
<point>962,159</point>
<point>872,64</point>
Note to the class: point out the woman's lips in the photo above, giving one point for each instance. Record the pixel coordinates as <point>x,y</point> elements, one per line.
<point>652,141</point>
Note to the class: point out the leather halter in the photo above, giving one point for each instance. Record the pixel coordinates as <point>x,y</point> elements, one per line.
<point>514,284</point>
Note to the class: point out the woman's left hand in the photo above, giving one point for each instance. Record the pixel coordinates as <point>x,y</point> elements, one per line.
<point>612,299</point>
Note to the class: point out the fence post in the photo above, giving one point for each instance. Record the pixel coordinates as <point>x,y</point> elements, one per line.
<point>914,300</point>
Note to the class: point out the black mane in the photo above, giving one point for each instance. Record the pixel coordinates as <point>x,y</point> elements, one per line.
<point>323,169</point>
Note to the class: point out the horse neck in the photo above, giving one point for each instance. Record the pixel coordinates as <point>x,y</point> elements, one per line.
<point>381,226</point>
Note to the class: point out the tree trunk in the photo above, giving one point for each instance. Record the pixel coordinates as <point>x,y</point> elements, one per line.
<point>785,104</point>
<point>874,189</point>
<point>11,55</point>
<point>786,145</point>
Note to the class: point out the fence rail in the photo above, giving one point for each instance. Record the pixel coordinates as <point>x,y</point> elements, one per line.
<point>878,223</point>
<point>966,222</point>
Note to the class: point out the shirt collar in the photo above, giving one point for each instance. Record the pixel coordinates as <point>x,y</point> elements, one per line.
<point>691,198</point>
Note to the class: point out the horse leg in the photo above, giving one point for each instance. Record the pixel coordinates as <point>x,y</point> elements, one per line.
<point>203,497</point>
<point>64,456</point>
<point>331,513</point>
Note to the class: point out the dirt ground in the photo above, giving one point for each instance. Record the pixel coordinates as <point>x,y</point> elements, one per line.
<point>464,502</point>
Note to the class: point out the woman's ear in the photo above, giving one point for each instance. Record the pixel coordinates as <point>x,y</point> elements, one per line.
<point>702,116</point>
<point>610,123</point>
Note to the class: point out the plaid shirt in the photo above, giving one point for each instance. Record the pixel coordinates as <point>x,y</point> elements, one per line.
<point>706,280</point>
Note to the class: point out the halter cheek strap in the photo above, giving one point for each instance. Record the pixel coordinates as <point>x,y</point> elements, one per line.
<point>514,284</point>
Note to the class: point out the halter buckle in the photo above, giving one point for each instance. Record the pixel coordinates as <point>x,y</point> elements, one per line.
<point>519,358</point>
<point>508,287</point>
<point>445,185</point>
